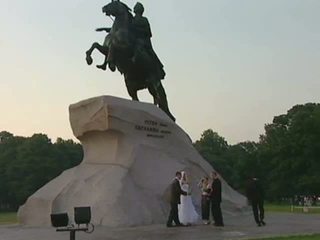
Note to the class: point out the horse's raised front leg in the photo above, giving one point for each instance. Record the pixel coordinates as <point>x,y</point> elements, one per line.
<point>102,49</point>
<point>105,51</point>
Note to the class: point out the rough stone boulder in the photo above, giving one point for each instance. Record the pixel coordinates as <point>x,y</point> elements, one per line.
<point>131,153</point>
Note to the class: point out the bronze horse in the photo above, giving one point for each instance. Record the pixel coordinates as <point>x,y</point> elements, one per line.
<point>140,74</point>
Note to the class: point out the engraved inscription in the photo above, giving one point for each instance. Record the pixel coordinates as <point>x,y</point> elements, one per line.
<point>153,129</point>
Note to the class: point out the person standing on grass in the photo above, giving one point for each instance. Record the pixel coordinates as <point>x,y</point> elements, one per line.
<point>255,196</point>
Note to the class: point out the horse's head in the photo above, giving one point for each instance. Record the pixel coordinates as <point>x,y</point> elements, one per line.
<point>116,8</point>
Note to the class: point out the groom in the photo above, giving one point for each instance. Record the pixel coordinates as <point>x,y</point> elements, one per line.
<point>176,191</point>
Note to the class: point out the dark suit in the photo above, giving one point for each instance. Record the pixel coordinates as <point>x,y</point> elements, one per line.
<point>216,201</point>
<point>176,192</point>
<point>255,196</point>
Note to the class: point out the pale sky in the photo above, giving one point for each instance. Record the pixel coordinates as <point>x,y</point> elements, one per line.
<point>231,65</point>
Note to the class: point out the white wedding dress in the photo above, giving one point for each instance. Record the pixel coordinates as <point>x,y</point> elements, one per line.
<point>186,210</point>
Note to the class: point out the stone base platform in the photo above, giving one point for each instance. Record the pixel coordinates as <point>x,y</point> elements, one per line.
<point>131,153</point>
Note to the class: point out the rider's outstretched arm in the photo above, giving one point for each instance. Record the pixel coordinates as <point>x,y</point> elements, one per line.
<point>103,29</point>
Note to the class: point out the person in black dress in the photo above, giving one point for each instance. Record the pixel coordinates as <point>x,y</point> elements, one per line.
<point>205,199</point>
<point>176,192</point>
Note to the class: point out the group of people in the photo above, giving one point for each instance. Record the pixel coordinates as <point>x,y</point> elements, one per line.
<point>183,212</point>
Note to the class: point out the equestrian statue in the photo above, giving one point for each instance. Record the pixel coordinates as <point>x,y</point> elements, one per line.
<point>128,49</point>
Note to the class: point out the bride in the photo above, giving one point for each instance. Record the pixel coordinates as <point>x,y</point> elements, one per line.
<point>186,210</point>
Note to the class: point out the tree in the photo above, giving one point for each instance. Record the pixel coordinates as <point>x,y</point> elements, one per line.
<point>211,143</point>
<point>243,163</point>
<point>26,164</point>
<point>290,150</point>
<point>4,136</point>
<point>212,147</point>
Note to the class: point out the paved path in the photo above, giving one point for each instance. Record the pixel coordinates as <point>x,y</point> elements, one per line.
<point>236,228</point>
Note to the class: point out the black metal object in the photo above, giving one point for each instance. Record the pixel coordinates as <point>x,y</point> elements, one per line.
<point>73,231</point>
<point>59,220</point>
<point>82,215</point>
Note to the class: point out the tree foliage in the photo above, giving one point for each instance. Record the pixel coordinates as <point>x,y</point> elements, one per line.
<point>290,148</point>
<point>26,164</point>
<point>286,158</point>
<point>213,147</point>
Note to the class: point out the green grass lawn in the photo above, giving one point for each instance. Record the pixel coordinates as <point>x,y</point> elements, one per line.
<point>8,218</point>
<point>310,237</point>
<point>287,208</point>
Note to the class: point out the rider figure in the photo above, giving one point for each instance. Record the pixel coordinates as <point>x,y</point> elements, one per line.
<point>142,44</point>
<point>142,32</point>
